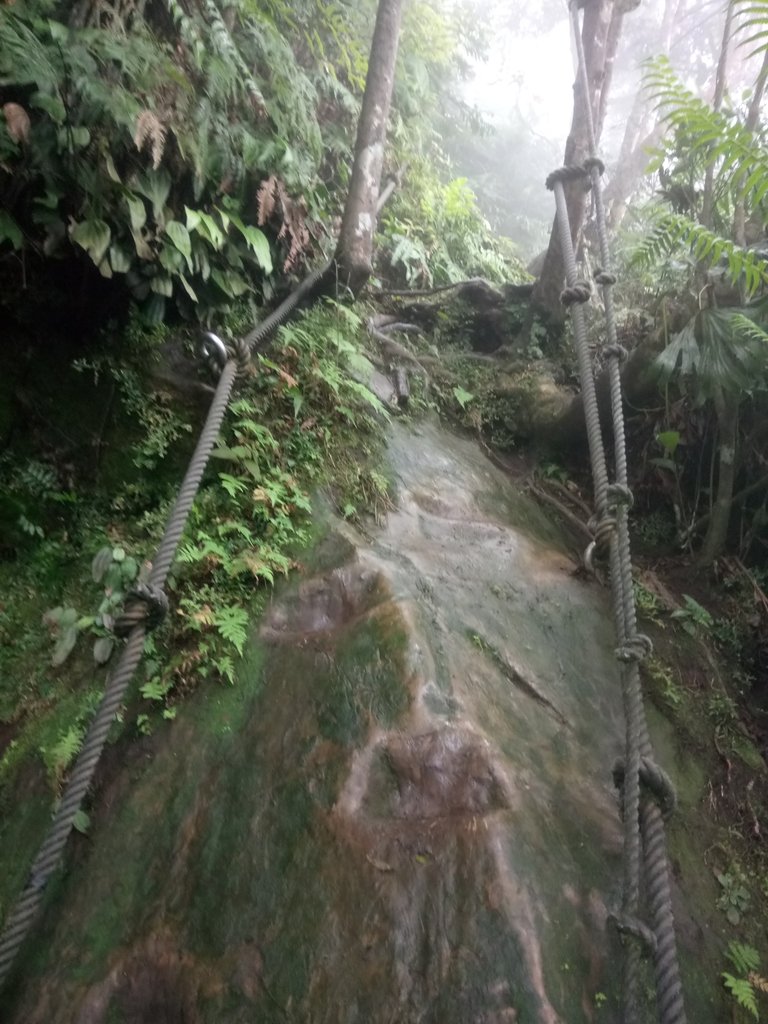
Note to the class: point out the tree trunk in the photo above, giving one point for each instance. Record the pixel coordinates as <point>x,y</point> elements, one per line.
<point>640,134</point>
<point>355,247</point>
<point>611,46</point>
<point>727,410</point>
<point>707,203</point>
<point>595,31</point>
<point>753,116</point>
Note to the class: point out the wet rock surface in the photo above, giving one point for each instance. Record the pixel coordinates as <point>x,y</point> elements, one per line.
<point>405,812</point>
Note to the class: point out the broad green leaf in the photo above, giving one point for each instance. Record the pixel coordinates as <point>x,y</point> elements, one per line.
<point>81,137</point>
<point>669,440</point>
<point>129,569</point>
<point>663,464</point>
<point>153,310</point>
<point>102,649</point>
<point>10,230</point>
<point>60,32</point>
<point>51,104</point>
<point>210,230</point>
<point>257,242</point>
<point>111,169</point>
<point>137,212</point>
<point>64,647</point>
<point>171,259</point>
<point>188,288</point>
<point>179,235</point>
<point>231,284</point>
<point>202,264</point>
<point>93,236</point>
<point>119,259</point>
<point>81,822</point>
<point>462,396</point>
<point>102,560</point>
<point>162,285</point>
<point>156,186</point>
<point>193,219</point>
<point>143,250</point>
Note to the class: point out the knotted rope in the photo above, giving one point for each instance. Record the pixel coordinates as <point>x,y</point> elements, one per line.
<point>646,791</point>
<point>145,607</point>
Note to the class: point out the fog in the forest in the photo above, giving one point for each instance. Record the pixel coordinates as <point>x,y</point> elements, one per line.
<point>523,89</point>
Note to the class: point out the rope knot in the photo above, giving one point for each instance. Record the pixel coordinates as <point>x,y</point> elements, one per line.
<point>564,175</point>
<point>145,604</point>
<point>594,163</point>
<point>579,291</point>
<point>625,924</point>
<point>240,350</point>
<point>654,779</point>
<point>217,353</point>
<point>605,277</point>
<point>616,351</point>
<point>619,494</point>
<point>635,648</point>
<point>602,527</point>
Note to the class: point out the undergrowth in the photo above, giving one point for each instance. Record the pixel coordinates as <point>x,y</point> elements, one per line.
<point>300,421</point>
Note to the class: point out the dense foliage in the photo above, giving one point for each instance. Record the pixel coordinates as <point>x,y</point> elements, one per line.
<point>196,153</point>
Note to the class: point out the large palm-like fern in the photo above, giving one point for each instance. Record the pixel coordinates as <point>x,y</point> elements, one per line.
<point>671,231</point>
<point>708,138</point>
<point>716,157</point>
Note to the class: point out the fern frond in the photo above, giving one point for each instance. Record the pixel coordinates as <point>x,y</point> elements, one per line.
<point>711,135</point>
<point>752,24</point>
<point>743,957</point>
<point>758,337</point>
<point>232,624</point>
<point>674,232</point>
<point>227,48</point>
<point>266,199</point>
<point>742,992</point>
<point>23,58</point>
<point>149,128</point>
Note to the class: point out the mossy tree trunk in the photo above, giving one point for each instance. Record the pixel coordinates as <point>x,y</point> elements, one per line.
<point>727,409</point>
<point>596,29</point>
<point>355,246</point>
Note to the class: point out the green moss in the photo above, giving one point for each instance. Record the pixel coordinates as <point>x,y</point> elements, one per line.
<point>744,749</point>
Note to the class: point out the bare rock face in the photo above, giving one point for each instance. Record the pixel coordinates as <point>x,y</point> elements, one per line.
<point>403,814</point>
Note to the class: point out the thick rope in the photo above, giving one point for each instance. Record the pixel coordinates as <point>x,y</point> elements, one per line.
<point>645,856</point>
<point>21,917</point>
<point>145,607</point>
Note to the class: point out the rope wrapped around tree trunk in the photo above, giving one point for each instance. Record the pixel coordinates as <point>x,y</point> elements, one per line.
<point>646,792</point>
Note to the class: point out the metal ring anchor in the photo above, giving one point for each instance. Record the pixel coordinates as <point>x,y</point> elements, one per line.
<point>214,351</point>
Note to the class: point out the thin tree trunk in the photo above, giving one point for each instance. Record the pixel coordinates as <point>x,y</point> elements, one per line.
<point>595,30</point>
<point>753,116</point>
<point>611,46</point>
<point>707,203</point>
<point>355,247</point>
<point>727,410</point>
<point>639,135</point>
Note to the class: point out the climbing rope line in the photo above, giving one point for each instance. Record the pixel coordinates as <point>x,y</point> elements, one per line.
<point>144,609</point>
<point>146,604</point>
<point>647,793</point>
